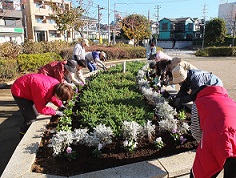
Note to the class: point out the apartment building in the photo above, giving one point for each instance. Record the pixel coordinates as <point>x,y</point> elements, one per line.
<point>37,22</point>
<point>11,28</point>
<point>227,12</point>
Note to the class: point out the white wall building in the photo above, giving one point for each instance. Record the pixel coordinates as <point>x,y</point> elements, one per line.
<point>11,28</point>
<point>227,12</point>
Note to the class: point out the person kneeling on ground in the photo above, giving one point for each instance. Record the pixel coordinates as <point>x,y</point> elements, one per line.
<point>213,125</point>
<point>95,58</point>
<point>32,92</point>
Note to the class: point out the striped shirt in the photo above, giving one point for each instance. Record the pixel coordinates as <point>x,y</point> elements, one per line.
<point>195,124</point>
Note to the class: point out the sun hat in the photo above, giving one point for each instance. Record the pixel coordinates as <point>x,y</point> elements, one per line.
<point>179,74</point>
<point>71,66</point>
<point>86,42</point>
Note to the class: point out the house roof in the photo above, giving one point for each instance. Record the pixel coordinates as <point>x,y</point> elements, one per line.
<point>177,19</point>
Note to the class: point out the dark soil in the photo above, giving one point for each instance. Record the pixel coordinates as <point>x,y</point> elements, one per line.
<point>113,155</point>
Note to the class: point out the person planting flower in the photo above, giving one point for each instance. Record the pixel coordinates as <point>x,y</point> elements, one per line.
<point>32,92</point>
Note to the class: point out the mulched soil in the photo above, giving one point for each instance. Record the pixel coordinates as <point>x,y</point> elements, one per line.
<point>113,155</point>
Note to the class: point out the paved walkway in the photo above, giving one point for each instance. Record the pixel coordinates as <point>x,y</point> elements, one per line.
<point>10,118</point>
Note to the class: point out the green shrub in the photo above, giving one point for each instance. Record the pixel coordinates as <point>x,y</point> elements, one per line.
<point>9,49</point>
<point>30,47</point>
<point>32,62</point>
<point>8,69</point>
<point>55,46</point>
<point>201,52</point>
<point>217,51</point>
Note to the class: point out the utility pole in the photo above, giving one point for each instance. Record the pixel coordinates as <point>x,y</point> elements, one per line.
<point>114,28</point>
<point>233,30</point>
<point>109,33</point>
<point>99,19</point>
<point>204,24</point>
<point>157,7</point>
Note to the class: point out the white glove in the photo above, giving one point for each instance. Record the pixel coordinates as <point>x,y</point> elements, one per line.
<point>59,113</point>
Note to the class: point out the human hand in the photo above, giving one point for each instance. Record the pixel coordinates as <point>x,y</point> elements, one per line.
<point>59,113</point>
<point>62,108</point>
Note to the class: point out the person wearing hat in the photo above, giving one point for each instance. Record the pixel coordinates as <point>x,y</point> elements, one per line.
<point>60,70</point>
<point>213,125</point>
<point>95,58</point>
<point>32,92</point>
<point>79,50</point>
<point>190,81</point>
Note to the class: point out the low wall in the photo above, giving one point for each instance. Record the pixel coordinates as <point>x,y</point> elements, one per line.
<point>178,44</point>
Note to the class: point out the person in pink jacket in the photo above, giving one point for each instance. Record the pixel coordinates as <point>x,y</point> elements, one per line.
<point>213,125</point>
<point>32,92</point>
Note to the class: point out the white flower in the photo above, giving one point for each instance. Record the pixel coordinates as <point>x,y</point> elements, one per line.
<point>158,139</point>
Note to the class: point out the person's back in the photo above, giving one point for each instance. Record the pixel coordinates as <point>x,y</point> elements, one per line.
<point>217,118</point>
<point>192,80</point>
<point>54,69</point>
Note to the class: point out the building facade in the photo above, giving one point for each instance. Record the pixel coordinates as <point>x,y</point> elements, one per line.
<point>227,12</point>
<point>11,28</point>
<point>179,28</point>
<point>37,22</point>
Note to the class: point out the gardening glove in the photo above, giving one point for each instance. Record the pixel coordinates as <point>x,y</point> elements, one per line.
<point>62,108</point>
<point>59,113</point>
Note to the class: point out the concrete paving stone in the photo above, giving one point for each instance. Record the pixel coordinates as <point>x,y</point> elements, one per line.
<point>178,164</point>
<point>149,169</point>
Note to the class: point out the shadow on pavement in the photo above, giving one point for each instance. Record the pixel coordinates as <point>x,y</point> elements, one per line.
<point>9,138</point>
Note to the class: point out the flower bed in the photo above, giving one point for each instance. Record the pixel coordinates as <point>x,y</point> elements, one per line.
<point>111,124</point>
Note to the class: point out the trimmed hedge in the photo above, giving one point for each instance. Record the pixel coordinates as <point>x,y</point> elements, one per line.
<point>8,69</point>
<point>217,51</point>
<point>32,62</point>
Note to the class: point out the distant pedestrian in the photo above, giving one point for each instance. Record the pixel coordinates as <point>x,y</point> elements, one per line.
<point>32,92</point>
<point>79,50</point>
<point>95,58</point>
<point>173,43</point>
<point>213,125</point>
<point>151,51</point>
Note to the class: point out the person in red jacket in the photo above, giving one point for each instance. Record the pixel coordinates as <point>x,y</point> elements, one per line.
<point>65,71</point>
<point>213,125</point>
<point>32,92</point>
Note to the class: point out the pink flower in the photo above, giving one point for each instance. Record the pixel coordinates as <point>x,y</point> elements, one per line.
<point>69,150</point>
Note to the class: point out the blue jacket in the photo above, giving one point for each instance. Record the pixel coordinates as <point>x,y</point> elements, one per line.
<point>195,79</point>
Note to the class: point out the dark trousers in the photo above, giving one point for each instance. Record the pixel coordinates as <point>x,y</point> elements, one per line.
<point>27,111</point>
<point>229,169</point>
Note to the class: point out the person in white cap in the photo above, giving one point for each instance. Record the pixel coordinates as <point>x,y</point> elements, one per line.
<point>190,81</point>
<point>95,58</point>
<point>79,50</point>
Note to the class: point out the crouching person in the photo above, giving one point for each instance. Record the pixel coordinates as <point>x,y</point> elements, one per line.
<point>213,125</point>
<point>34,91</point>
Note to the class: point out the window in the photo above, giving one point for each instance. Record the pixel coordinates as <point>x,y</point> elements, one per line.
<point>52,33</point>
<point>165,26</point>
<point>50,21</point>
<point>8,5</point>
<point>9,22</point>
<point>39,19</point>
<point>190,26</point>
